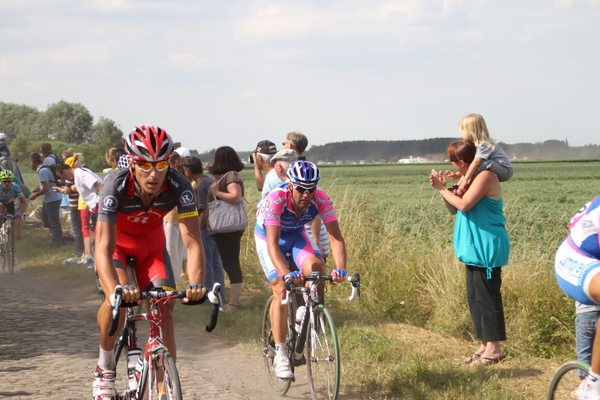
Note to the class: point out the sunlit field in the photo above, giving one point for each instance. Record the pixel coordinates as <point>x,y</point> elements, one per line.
<point>407,335</point>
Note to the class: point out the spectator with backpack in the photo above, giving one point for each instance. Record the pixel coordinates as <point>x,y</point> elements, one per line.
<point>52,199</point>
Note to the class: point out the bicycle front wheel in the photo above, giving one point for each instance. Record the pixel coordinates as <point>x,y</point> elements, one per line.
<point>164,381</point>
<point>323,364</point>
<point>565,381</point>
<point>268,352</point>
<point>9,255</point>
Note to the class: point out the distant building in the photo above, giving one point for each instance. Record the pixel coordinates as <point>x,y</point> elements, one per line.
<point>412,160</point>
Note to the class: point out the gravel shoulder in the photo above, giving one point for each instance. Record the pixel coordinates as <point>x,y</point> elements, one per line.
<point>49,348</point>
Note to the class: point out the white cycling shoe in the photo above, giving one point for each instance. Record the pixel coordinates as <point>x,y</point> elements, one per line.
<point>281,366</point>
<point>586,393</point>
<point>103,387</point>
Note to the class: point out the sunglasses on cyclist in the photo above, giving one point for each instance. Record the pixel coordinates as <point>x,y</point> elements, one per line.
<point>146,166</point>
<point>7,181</point>
<point>302,189</point>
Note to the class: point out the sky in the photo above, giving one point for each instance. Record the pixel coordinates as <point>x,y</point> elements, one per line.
<point>215,73</point>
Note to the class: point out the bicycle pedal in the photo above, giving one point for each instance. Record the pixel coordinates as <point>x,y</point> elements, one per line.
<point>300,362</point>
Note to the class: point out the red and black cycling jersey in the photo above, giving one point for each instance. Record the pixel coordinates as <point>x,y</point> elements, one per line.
<point>119,203</point>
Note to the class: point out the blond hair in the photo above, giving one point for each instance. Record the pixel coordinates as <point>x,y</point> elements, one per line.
<point>473,128</point>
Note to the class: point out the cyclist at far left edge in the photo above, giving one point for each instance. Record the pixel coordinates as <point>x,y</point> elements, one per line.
<point>132,204</point>
<point>9,192</point>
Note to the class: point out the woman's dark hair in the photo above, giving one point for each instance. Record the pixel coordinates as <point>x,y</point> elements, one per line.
<point>226,159</point>
<point>194,164</point>
<point>462,150</point>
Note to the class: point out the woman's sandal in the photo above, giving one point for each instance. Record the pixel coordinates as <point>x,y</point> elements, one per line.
<point>232,308</point>
<point>472,358</point>
<point>485,361</point>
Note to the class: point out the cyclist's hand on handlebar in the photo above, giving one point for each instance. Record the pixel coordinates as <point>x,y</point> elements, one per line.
<point>339,275</point>
<point>296,276</point>
<point>194,292</point>
<point>131,294</point>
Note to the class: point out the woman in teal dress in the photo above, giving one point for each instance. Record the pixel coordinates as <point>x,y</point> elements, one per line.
<point>481,243</point>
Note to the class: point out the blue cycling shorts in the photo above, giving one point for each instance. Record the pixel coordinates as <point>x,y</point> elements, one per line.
<point>300,245</point>
<point>574,272</point>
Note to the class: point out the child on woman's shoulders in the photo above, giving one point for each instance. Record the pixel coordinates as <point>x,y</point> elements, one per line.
<point>489,155</point>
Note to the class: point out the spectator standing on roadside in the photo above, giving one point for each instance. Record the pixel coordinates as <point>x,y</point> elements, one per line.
<point>48,157</point>
<point>174,242</point>
<point>278,175</point>
<point>4,151</point>
<point>88,185</point>
<point>51,198</point>
<point>192,167</point>
<point>229,187</point>
<point>261,158</point>
<point>73,208</point>
<point>316,229</point>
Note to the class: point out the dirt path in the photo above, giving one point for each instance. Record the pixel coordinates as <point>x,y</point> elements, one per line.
<point>49,348</point>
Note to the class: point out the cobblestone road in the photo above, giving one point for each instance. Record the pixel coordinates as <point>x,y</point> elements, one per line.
<point>49,348</point>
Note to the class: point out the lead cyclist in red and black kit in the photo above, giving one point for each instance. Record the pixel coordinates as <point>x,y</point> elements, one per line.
<point>131,208</point>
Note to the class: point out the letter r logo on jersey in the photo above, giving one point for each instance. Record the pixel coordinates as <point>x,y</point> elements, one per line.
<point>187,198</point>
<point>138,219</point>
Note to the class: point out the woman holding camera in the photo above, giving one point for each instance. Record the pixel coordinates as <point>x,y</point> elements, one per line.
<point>481,243</point>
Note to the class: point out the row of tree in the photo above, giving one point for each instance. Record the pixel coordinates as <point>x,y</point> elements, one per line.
<point>65,125</point>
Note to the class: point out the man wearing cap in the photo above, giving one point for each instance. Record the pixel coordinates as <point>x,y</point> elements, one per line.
<point>261,158</point>
<point>277,176</point>
<point>298,142</point>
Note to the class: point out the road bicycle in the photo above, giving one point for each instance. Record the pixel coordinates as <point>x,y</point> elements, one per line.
<point>7,243</point>
<point>150,373</point>
<point>313,336</point>
<point>565,380</point>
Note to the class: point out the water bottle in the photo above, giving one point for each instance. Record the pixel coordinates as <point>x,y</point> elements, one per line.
<point>300,312</point>
<point>134,355</point>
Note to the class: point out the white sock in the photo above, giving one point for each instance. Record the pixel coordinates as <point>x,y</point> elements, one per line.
<point>280,349</point>
<point>106,360</point>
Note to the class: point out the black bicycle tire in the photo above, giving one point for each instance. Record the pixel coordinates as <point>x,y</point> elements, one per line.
<point>280,386</point>
<point>312,360</point>
<point>121,351</point>
<point>561,372</point>
<point>3,247</point>
<point>10,246</point>
<point>163,357</point>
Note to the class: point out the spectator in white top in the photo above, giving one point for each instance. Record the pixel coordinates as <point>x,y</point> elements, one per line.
<point>87,183</point>
<point>278,175</point>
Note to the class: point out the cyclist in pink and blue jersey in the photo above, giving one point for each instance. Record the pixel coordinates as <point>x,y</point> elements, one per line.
<point>280,229</point>
<point>577,269</point>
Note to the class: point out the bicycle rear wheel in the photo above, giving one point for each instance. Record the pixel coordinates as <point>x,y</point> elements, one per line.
<point>165,379</point>
<point>268,352</point>
<point>323,361</point>
<point>566,381</point>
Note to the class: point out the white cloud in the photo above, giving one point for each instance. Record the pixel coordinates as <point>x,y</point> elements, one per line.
<point>569,4</point>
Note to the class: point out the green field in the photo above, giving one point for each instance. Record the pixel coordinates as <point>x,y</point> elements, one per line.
<point>407,335</point>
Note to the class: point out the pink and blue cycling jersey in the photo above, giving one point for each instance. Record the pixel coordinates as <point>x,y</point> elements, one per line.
<point>276,209</point>
<point>583,237</point>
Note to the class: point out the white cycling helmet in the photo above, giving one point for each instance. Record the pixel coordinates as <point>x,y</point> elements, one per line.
<point>2,136</point>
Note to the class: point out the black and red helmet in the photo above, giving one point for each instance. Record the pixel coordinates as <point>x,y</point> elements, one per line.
<point>149,143</point>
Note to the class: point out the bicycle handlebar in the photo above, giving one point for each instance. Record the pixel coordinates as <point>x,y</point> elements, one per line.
<point>314,277</point>
<point>214,296</point>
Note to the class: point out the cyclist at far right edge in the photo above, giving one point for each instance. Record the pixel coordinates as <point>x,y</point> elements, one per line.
<point>280,229</point>
<point>577,270</point>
